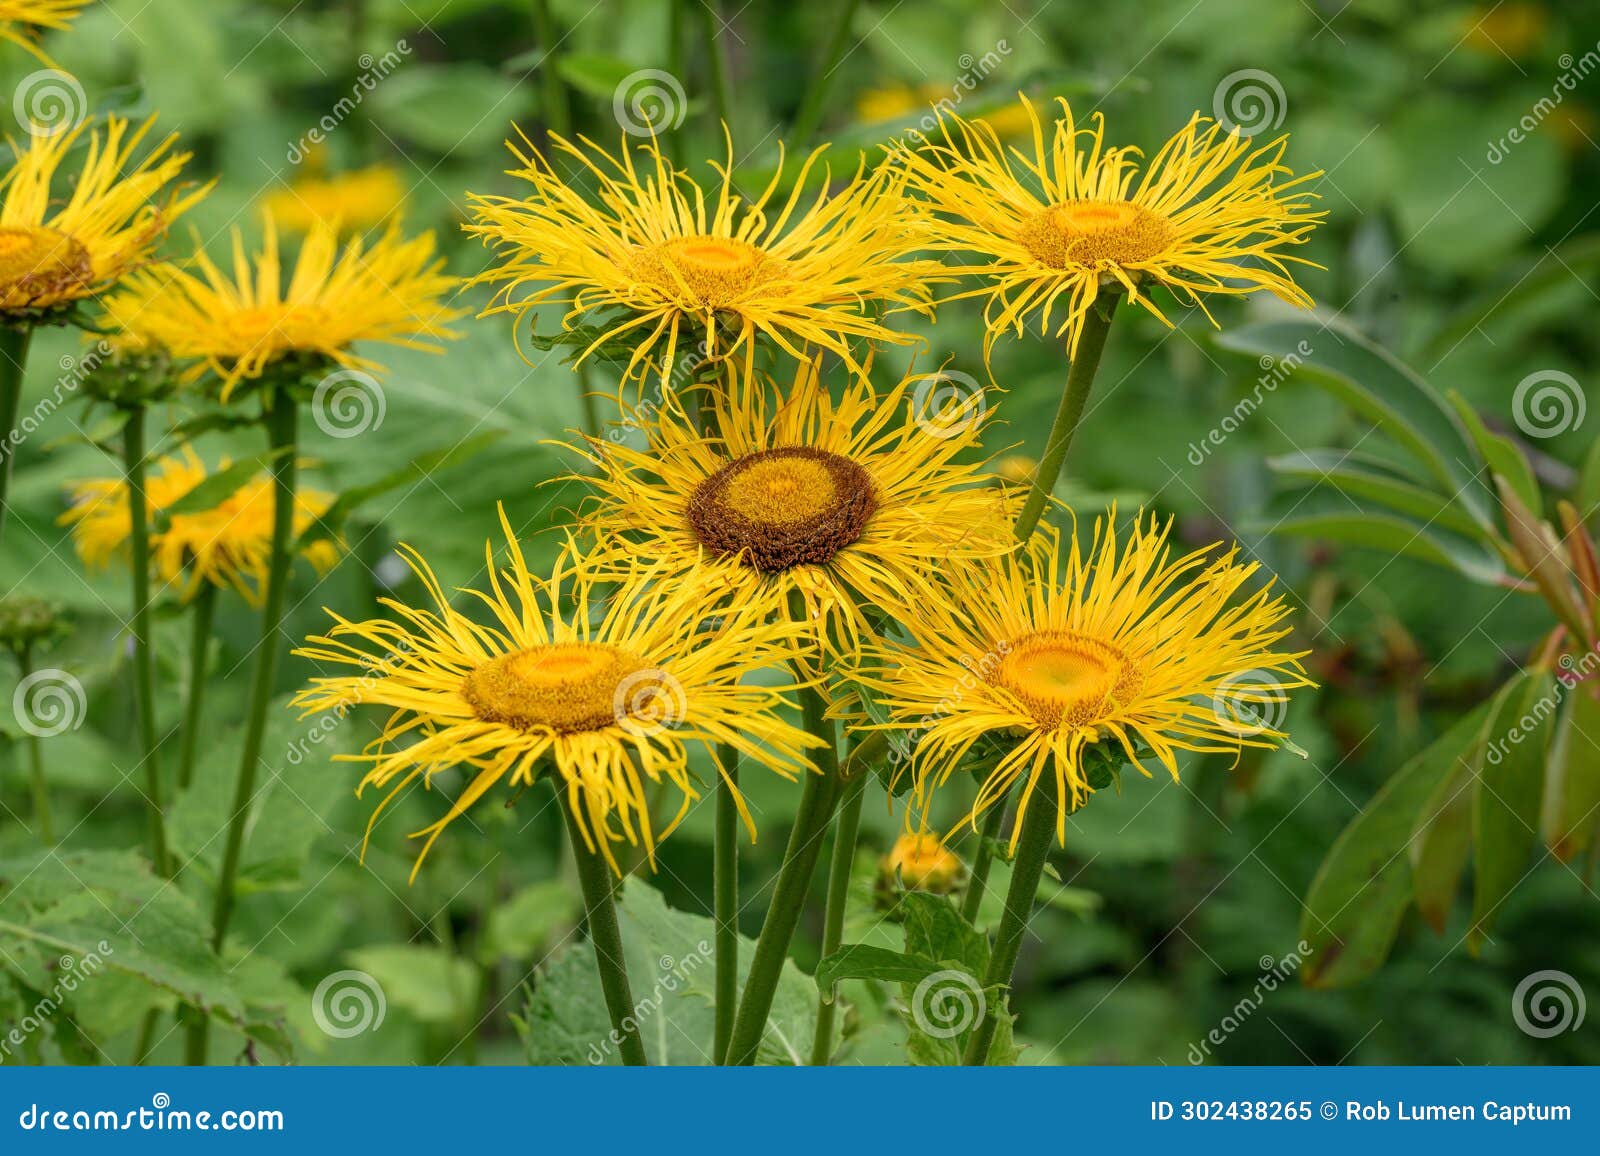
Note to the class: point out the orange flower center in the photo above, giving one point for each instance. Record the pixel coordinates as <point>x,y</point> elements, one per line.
<point>1095,233</point>
<point>712,272</point>
<point>1067,679</point>
<point>276,327</point>
<point>563,686</point>
<point>39,265</point>
<point>783,507</point>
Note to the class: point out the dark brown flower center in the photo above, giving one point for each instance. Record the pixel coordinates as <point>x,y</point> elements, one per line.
<point>783,507</point>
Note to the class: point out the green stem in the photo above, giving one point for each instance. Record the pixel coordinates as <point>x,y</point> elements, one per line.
<point>553,93</point>
<point>600,910</point>
<point>1033,847</point>
<point>204,613</point>
<point>817,798</point>
<point>816,96</point>
<point>721,94</point>
<point>1080,378</point>
<point>147,1037</point>
<point>989,832</point>
<point>280,419</point>
<point>592,424</point>
<point>144,670</point>
<point>41,785</point>
<point>725,887</point>
<point>13,357</point>
<point>839,868</point>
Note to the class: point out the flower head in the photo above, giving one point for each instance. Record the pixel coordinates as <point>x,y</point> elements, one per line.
<point>21,22</point>
<point>1212,213</point>
<point>1126,646</point>
<point>353,201</point>
<point>606,699</point>
<point>852,505</point>
<point>661,262</point>
<point>920,861</point>
<point>56,250</point>
<point>227,544</point>
<point>390,291</point>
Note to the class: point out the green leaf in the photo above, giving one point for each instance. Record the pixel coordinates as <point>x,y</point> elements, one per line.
<point>946,1005</point>
<point>1505,806</point>
<point>1389,533</point>
<point>1354,905</point>
<point>109,906</point>
<point>671,969</point>
<point>332,521</point>
<point>453,109</point>
<point>1370,479</point>
<point>1442,843</point>
<point>1572,777</point>
<point>1504,456</point>
<point>1588,494</point>
<point>522,924</point>
<point>218,487</point>
<point>432,983</point>
<point>1379,387</point>
<point>1552,270</point>
<point>593,73</point>
<point>863,961</point>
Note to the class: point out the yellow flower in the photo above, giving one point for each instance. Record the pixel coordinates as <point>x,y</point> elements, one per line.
<point>607,699</point>
<point>391,291</point>
<point>1211,214</point>
<point>352,201</point>
<point>896,102</point>
<point>853,505</point>
<point>227,545</point>
<point>55,250</point>
<point>922,862</point>
<point>21,22</point>
<point>1126,647</point>
<point>661,260</point>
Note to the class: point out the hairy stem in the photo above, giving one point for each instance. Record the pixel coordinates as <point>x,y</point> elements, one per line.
<point>13,358</point>
<point>1069,412</point>
<point>725,903</point>
<point>144,669</point>
<point>600,911</point>
<point>839,867</point>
